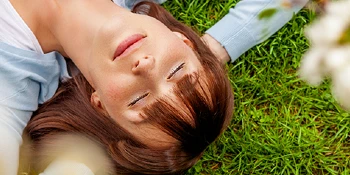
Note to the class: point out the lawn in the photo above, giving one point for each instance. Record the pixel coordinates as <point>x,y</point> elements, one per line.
<point>280,125</point>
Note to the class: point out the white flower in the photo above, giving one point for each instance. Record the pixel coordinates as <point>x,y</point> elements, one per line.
<point>341,87</point>
<point>329,55</point>
<point>311,66</point>
<point>339,9</point>
<point>337,59</point>
<point>325,31</point>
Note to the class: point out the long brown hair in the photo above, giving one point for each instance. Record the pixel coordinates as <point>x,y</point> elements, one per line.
<point>210,111</point>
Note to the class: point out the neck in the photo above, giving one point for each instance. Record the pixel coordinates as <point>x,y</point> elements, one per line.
<point>34,14</point>
<point>77,21</point>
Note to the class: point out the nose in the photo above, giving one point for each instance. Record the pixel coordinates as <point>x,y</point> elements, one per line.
<point>143,65</point>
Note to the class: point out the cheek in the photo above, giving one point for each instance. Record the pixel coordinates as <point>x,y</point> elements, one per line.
<point>113,99</point>
<point>114,91</point>
<point>175,50</point>
<point>116,87</point>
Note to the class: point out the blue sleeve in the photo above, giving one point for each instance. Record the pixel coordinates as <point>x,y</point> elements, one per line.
<point>241,28</point>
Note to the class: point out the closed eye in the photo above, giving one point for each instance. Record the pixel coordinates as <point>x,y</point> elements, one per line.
<point>138,99</point>
<point>173,72</point>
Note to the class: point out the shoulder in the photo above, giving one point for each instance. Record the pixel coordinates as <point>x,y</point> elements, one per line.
<point>28,78</point>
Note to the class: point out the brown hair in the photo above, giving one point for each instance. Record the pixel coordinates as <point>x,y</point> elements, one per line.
<point>210,112</point>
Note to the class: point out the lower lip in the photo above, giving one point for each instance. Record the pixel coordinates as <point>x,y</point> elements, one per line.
<point>128,45</point>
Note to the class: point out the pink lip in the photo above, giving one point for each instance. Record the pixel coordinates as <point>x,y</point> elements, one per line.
<point>129,44</point>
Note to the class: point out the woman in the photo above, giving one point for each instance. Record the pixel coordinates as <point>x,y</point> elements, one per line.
<point>154,96</point>
<point>183,137</point>
<point>48,40</point>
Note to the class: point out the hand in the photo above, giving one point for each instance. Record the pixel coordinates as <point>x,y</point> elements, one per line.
<point>218,50</point>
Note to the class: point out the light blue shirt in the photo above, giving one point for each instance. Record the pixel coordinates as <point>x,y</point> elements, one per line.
<point>27,79</point>
<point>241,28</point>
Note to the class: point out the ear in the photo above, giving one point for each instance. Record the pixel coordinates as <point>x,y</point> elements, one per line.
<point>96,102</point>
<point>184,39</point>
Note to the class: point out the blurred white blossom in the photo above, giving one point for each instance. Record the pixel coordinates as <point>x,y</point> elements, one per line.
<point>341,87</point>
<point>329,54</point>
<point>311,67</point>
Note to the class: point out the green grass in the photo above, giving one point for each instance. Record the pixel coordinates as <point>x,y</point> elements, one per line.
<point>280,125</point>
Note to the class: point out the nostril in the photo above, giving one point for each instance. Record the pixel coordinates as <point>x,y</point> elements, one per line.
<point>137,63</point>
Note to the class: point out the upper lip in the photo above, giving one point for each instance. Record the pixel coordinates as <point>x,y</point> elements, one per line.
<point>127,43</point>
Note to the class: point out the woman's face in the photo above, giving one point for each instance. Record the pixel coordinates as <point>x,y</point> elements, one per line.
<point>136,59</point>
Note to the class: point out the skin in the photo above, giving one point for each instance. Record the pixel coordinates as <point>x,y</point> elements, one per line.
<point>146,70</point>
<point>89,32</point>
<point>219,51</point>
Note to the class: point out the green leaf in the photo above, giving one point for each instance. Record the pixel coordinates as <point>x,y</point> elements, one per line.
<point>268,13</point>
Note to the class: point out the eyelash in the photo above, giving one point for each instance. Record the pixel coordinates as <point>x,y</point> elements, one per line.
<point>138,99</point>
<point>172,73</point>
